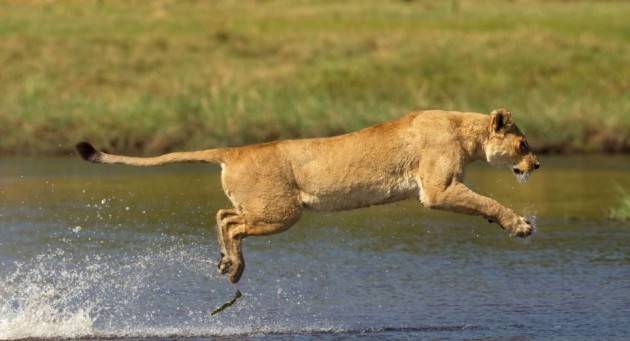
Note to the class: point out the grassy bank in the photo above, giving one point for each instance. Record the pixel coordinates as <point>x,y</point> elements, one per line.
<point>149,77</point>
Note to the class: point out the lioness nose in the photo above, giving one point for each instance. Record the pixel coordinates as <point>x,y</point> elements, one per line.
<point>537,165</point>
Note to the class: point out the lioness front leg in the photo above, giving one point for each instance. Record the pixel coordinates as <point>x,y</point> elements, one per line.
<point>456,197</point>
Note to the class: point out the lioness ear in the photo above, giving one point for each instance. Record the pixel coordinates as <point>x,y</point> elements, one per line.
<point>500,118</point>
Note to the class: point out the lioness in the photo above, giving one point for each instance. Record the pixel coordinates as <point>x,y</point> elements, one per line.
<point>421,155</point>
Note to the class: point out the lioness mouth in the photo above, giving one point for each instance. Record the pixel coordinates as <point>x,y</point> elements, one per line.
<point>517,171</point>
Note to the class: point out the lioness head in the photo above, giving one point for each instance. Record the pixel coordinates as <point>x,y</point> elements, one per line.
<point>508,147</point>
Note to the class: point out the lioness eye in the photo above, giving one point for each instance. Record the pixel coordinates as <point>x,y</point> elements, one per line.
<point>524,148</point>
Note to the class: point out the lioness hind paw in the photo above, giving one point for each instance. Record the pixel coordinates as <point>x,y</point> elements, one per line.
<point>236,272</point>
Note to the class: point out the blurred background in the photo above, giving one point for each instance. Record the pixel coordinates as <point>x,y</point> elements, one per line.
<point>148,77</point>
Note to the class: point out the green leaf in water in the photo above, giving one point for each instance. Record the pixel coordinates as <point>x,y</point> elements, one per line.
<point>221,308</point>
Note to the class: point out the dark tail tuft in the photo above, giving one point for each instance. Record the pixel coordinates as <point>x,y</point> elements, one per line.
<point>87,151</point>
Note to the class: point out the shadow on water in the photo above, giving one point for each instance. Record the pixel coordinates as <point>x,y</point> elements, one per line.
<point>90,251</point>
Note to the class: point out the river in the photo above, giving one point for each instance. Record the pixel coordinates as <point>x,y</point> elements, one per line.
<point>115,252</point>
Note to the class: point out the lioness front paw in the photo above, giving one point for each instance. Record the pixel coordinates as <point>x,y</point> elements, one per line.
<point>522,229</point>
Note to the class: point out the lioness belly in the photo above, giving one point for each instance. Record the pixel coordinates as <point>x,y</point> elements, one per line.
<point>360,195</point>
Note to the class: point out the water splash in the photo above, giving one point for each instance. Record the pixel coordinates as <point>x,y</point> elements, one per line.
<point>167,289</point>
<point>533,222</point>
<point>522,177</point>
<point>530,215</point>
<point>61,294</point>
<point>34,304</point>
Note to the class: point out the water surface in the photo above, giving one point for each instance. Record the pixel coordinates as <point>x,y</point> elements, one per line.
<point>95,251</point>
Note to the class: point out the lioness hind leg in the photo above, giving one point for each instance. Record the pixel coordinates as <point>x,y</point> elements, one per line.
<point>225,217</point>
<point>234,263</point>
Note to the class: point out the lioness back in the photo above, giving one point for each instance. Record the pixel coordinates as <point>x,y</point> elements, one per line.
<point>354,170</point>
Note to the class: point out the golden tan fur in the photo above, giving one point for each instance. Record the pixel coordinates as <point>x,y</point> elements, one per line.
<point>421,155</point>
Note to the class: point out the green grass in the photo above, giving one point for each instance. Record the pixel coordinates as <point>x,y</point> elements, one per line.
<point>150,77</point>
<point>621,212</point>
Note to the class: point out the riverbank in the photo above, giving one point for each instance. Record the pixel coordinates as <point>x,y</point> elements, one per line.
<point>147,78</point>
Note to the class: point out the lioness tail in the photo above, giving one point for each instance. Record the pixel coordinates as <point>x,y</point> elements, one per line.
<point>89,153</point>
